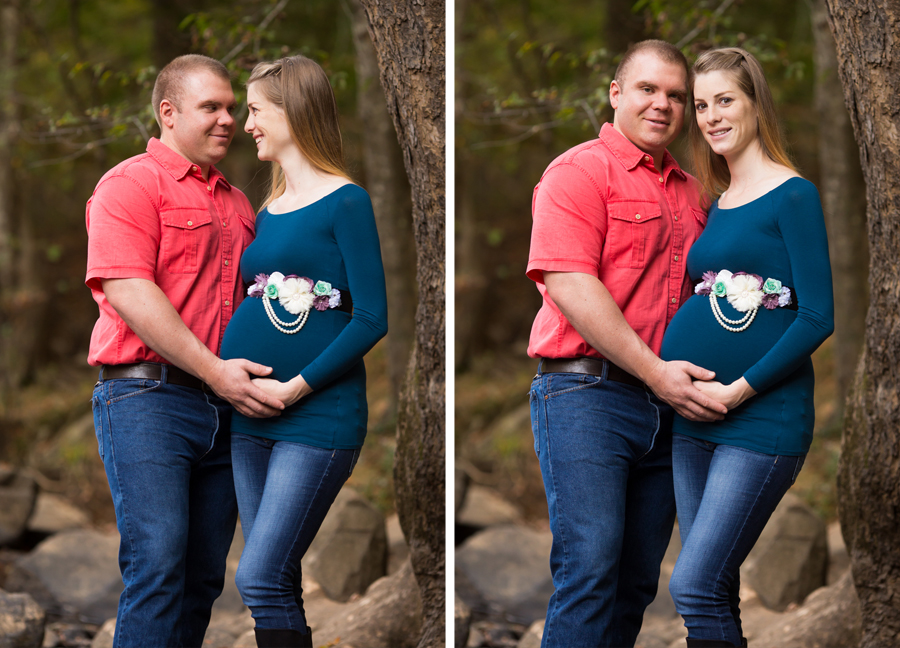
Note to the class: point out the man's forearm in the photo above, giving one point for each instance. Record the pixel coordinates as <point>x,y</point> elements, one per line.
<point>590,308</point>
<point>150,314</point>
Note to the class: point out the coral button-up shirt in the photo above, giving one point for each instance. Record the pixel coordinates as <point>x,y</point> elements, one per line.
<point>154,217</point>
<point>602,208</point>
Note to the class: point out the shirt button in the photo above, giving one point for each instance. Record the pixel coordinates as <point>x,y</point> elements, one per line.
<point>194,168</point>
<point>660,178</point>
<point>676,218</point>
<point>228,302</point>
<point>676,258</point>
<point>208,188</point>
<point>190,223</point>
<point>224,224</point>
<point>638,216</point>
<point>226,260</point>
<point>673,300</point>
<point>646,158</point>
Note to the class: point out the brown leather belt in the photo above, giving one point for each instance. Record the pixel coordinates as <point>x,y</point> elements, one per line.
<point>593,366</point>
<point>153,371</point>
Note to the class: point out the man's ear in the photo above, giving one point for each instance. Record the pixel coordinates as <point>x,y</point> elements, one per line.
<point>167,112</point>
<point>614,92</point>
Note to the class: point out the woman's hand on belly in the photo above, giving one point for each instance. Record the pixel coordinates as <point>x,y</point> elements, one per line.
<point>729,395</point>
<point>287,392</point>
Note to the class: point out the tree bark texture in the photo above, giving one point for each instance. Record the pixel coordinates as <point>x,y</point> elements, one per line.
<point>409,38</point>
<point>867,36</point>
<point>387,185</point>
<point>844,203</point>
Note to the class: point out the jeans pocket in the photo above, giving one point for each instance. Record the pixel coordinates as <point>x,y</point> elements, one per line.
<point>120,389</point>
<point>535,422</point>
<point>563,383</point>
<point>800,461</point>
<point>99,414</point>
<point>353,462</point>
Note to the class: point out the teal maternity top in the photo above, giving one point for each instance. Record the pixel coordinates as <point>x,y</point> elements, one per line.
<point>780,235</point>
<point>332,240</point>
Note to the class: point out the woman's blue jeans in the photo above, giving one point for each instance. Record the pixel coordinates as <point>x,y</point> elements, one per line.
<point>725,495</point>
<point>605,454</point>
<point>284,490</point>
<point>167,455</point>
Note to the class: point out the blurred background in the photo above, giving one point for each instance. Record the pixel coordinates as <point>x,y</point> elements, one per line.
<point>75,83</point>
<point>532,80</point>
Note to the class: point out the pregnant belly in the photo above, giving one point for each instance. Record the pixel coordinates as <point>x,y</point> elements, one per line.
<point>694,335</point>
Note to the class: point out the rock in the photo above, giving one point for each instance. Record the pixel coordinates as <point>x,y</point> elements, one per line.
<point>838,558</point>
<point>104,636</point>
<point>53,514</point>
<point>349,552</point>
<point>398,550</point>
<point>22,621</point>
<point>462,618</point>
<point>389,615</point>
<point>484,508</point>
<point>828,618</point>
<point>790,559</point>
<point>72,572</point>
<point>532,637</point>
<point>18,494</point>
<point>509,568</point>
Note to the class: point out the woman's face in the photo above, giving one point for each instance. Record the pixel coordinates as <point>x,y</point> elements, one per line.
<point>268,126</point>
<point>725,114</point>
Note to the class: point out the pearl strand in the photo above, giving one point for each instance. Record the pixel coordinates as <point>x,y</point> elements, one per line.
<point>746,320</point>
<point>277,323</point>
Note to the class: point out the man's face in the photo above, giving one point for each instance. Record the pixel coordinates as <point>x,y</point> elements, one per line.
<point>202,126</point>
<point>650,102</point>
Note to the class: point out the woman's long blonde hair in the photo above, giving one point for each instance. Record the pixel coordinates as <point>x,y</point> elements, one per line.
<point>711,168</point>
<point>300,87</point>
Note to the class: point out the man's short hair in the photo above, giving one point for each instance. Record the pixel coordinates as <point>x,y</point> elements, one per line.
<point>666,51</point>
<point>170,81</point>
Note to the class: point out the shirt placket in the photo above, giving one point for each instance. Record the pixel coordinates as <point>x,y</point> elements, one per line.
<point>676,252</point>
<point>226,260</point>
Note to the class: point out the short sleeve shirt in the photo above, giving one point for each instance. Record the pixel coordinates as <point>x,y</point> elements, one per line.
<point>603,209</point>
<point>154,217</point>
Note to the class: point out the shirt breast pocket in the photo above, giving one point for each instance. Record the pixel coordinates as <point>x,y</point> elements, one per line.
<point>186,235</point>
<point>633,233</point>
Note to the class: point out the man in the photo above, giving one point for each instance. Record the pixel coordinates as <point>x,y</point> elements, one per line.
<point>613,221</point>
<point>165,236</point>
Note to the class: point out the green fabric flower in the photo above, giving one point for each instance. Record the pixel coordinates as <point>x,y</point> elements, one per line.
<point>772,287</point>
<point>322,288</point>
<point>719,289</point>
<point>272,291</point>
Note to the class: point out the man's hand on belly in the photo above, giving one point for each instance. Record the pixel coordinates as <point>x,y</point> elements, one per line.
<point>673,383</point>
<point>230,379</point>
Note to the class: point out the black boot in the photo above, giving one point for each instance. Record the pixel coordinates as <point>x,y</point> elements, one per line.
<point>712,643</point>
<point>266,638</point>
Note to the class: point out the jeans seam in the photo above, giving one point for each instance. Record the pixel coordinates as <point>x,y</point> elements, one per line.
<point>134,393</point>
<point>565,565</point>
<point>585,385</point>
<point>212,441</point>
<point>656,431</point>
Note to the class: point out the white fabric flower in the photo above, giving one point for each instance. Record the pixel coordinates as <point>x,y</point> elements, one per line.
<point>295,295</point>
<point>725,277</point>
<point>276,279</point>
<point>744,293</point>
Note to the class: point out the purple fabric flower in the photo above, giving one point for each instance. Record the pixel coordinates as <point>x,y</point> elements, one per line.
<point>309,281</point>
<point>785,298</point>
<point>320,303</point>
<point>705,286</point>
<point>770,301</point>
<point>257,289</point>
<point>709,277</point>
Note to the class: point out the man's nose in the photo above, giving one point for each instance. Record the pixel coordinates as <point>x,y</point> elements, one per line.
<point>661,101</point>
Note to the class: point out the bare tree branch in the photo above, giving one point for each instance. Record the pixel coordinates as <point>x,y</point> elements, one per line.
<point>691,35</point>
<point>237,49</point>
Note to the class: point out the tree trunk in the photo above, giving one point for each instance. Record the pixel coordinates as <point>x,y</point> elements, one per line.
<point>409,39</point>
<point>9,29</point>
<point>867,35</point>
<point>844,202</point>
<point>389,189</point>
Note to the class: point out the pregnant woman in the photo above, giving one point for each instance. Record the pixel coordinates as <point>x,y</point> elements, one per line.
<point>763,304</point>
<point>316,305</point>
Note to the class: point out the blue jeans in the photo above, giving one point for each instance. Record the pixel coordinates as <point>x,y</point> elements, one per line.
<point>167,455</point>
<point>284,490</point>
<point>605,454</point>
<point>725,496</point>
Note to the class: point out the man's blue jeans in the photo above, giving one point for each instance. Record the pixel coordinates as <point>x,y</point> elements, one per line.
<point>605,454</point>
<point>167,454</point>
<point>284,491</point>
<point>725,496</point>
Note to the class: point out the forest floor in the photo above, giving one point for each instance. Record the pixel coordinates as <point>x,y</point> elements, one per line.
<point>47,427</point>
<point>494,444</point>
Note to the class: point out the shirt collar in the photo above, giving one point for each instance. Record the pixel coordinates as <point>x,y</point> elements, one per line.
<point>630,155</point>
<point>179,167</point>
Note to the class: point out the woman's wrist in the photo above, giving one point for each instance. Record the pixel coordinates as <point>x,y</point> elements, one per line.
<point>743,390</point>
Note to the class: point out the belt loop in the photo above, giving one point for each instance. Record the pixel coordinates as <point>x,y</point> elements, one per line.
<point>605,369</point>
<point>540,370</point>
<point>163,372</point>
